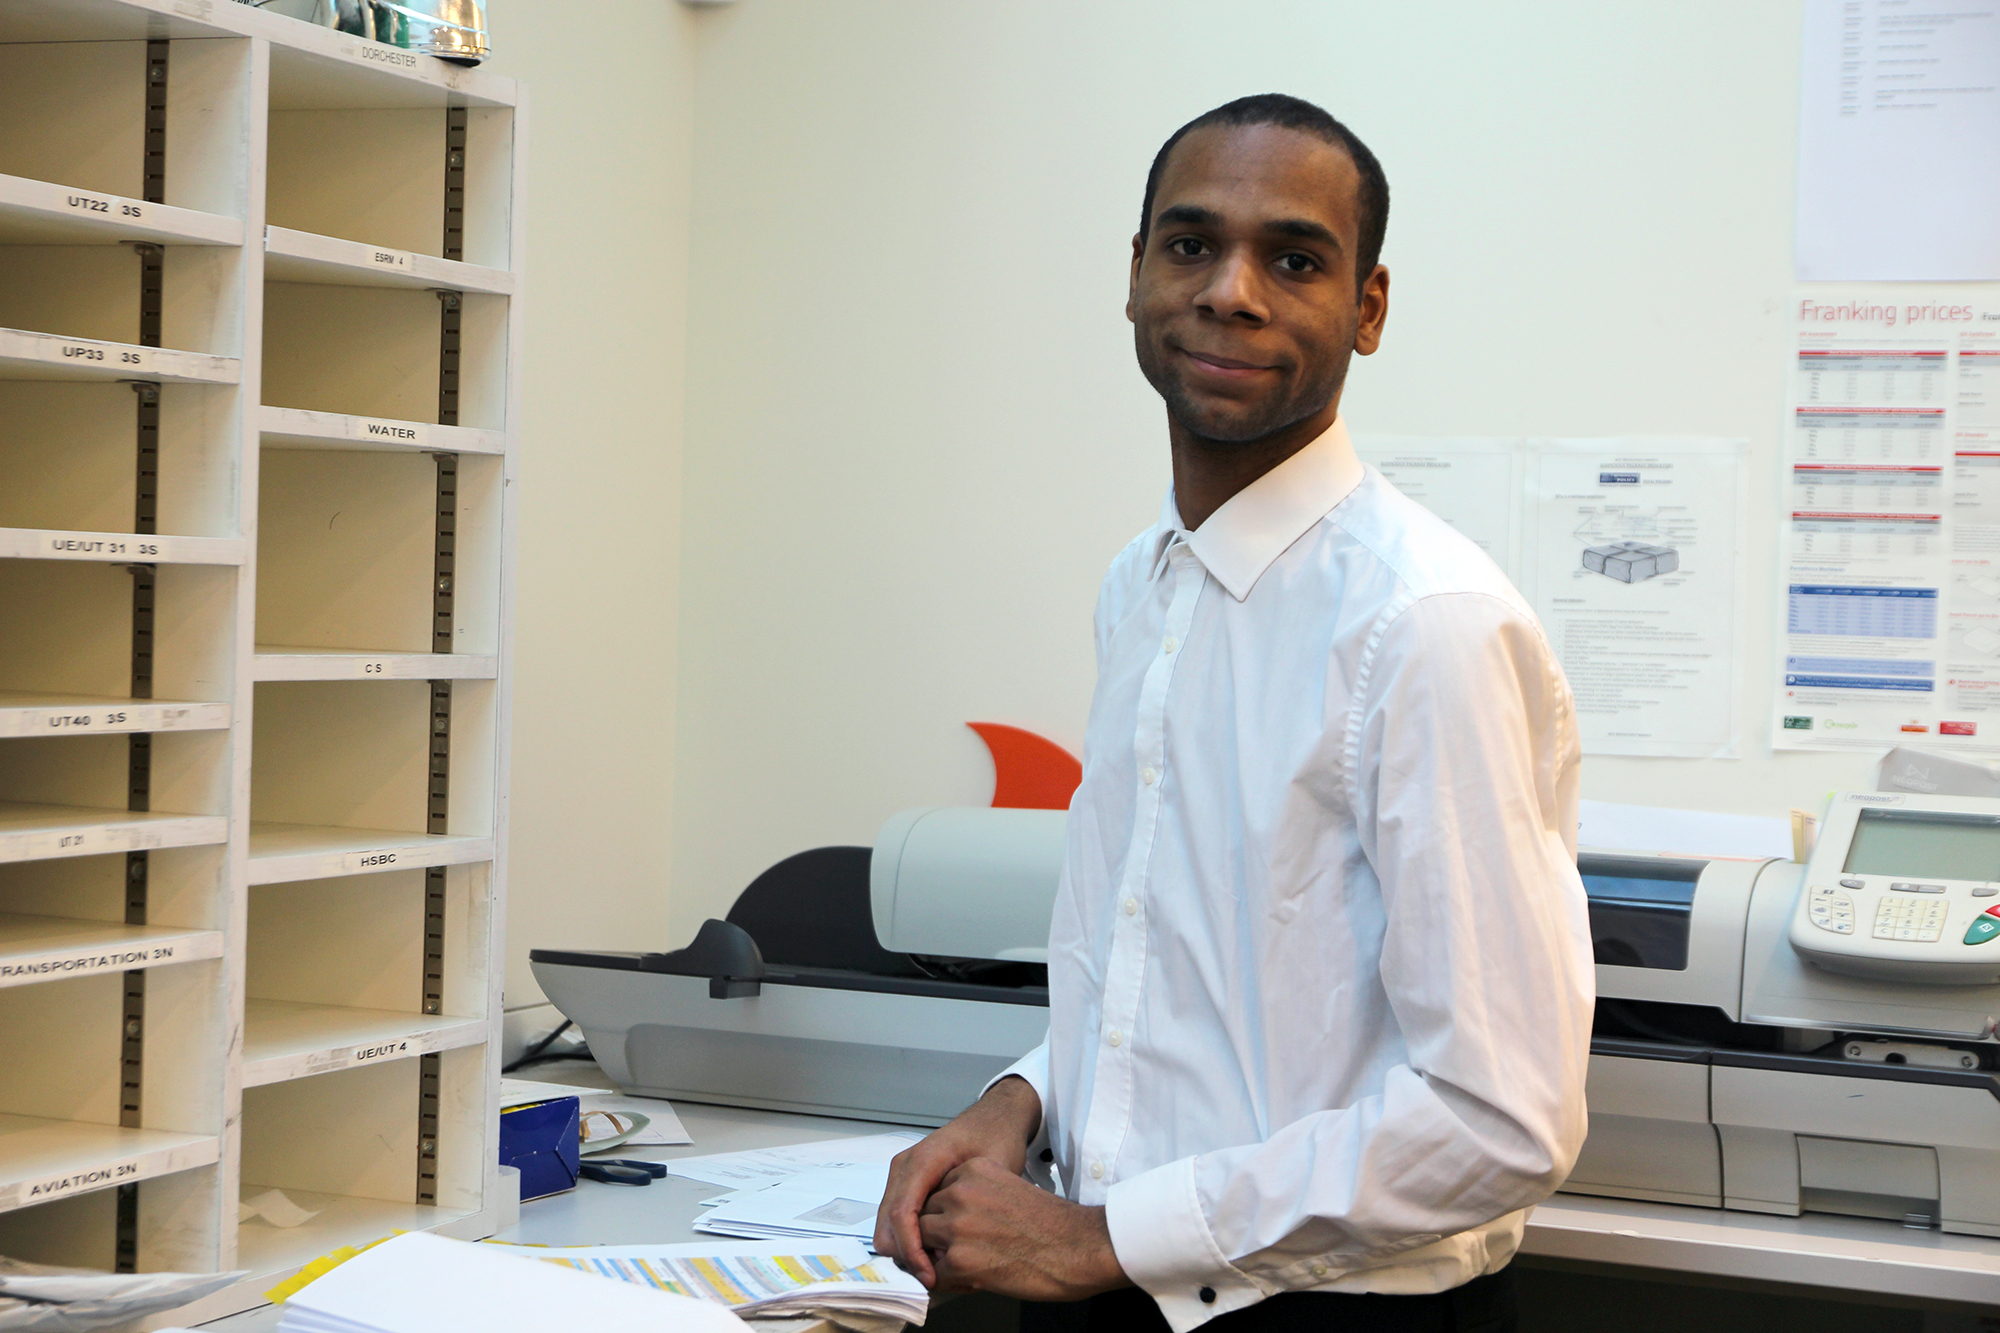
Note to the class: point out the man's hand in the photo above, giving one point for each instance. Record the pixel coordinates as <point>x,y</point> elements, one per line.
<point>989,1230</point>
<point>995,1128</point>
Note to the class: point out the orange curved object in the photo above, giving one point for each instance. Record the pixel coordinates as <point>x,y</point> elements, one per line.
<point>1030,772</point>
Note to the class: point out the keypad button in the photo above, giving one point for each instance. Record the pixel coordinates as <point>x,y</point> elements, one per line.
<point>1854,884</point>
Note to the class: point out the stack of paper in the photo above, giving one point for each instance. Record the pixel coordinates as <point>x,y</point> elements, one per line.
<point>420,1283</point>
<point>765,1281</point>
<point>833,1201</point>
<point>767,1166</point>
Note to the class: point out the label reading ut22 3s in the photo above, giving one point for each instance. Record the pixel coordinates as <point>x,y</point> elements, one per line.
<point>116,208</point>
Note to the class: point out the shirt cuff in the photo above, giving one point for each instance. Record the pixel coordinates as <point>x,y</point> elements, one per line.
<point>1164,1245</point>
<point>1033,1069</point>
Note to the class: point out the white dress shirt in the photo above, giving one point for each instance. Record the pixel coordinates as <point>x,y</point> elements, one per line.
<point>1320,978</point>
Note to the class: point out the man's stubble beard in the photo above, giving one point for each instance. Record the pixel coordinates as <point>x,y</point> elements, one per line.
<point>1270,418</point>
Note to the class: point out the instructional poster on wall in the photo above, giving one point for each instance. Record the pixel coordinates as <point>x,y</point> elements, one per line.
<point>1892,520</point>
<point>1628,549</point>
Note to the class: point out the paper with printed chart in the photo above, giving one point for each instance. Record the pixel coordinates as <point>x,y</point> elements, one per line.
<point>1628,549</point>
<point>1891,515</point>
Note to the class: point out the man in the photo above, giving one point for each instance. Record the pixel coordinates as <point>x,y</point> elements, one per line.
<point>1319,972</point>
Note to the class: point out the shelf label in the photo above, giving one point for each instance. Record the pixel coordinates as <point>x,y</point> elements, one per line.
<point>78,721</point>
<point>393,432</point>
<point>86,964</point>
<point>101,546</point>
<point>396,259</point>
<point>128,209</point>
<point>132,358</point>
<point>79,1182</point>
<point>376,860</point>
<point>383,55</point>
<point>386,1051</point>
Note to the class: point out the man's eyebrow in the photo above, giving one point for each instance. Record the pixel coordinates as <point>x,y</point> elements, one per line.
<point>1188,215</point>
<point>1304,229</point>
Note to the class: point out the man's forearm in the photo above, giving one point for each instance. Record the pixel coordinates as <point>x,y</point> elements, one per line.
<point>1013,1102</point>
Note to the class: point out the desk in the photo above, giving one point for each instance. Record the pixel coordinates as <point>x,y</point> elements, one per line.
<point>1848,1255</point>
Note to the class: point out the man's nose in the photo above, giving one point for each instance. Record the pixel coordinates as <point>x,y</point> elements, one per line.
<point>1234,291</point>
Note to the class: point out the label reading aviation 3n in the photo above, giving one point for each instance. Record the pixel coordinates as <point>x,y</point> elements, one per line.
<point>56,1187</point>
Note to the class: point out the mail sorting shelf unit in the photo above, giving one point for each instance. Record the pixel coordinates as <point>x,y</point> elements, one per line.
<point>258,379</point>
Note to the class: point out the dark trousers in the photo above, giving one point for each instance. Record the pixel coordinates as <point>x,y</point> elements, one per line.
<point>1483,1305</point>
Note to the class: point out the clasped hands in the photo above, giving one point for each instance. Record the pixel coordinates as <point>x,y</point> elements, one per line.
<point>958,1216</point>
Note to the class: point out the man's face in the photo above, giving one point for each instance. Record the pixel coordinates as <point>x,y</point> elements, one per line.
<point>1243,296</point>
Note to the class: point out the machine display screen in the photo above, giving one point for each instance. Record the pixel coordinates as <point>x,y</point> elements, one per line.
<point>1923,844</point>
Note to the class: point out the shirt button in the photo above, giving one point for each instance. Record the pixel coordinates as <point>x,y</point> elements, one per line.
<point>1116,1038</point>
<point>1149,776</point>
<point>1207,1295</point>
<point>1097,1170</point>
<point>1131,907</point>
<point>1319,1270</point>
<point>1170,644</point>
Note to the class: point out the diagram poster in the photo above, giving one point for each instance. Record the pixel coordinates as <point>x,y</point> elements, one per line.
<point>1633,565</point>
<point>1472,484</point>
<point>1891,586</point>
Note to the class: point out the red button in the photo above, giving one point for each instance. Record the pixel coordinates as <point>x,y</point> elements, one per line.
<point>1994,910</point>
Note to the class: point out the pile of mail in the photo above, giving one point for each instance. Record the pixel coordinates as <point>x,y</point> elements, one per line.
<point>836,1278</point>
<point>809,1190</point>
<point>49,1299</point>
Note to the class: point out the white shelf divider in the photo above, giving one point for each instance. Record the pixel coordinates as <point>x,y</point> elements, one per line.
<point>283,1039</point>
<point>43,1160</point>
<point>27,355</point>
<point>287,853</point>
<point>34,832</point>
<point>55,948</point>
<point>277,662</point>
<point>301,256</point>
<point>298,428</point>
<point>36,212</point>
<point>118,548</point>
<point>23,713</point>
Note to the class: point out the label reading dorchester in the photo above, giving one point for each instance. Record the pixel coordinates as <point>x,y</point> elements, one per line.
<point>55,1187</point>
<point>73,965</point>
<point>383,55</point>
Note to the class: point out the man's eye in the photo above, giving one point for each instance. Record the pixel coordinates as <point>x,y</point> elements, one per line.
<point>1187,247</point>
<point>1297,263</point>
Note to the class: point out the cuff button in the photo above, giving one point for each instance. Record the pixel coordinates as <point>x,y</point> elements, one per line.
<point>1207,1295</point>
<point>1048,1154</point>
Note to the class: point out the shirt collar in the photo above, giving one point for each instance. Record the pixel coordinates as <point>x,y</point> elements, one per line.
<point>1260,522</point>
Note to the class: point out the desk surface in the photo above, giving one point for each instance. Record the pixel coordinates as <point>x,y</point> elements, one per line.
<point>1847,1254</point>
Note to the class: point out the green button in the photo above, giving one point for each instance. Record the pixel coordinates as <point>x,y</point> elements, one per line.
<point>1983,928</point>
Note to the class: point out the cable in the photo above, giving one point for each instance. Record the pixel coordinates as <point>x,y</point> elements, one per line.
<point>533,1053</point>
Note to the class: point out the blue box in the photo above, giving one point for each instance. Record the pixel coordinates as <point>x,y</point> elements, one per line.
<point>543,1141</point>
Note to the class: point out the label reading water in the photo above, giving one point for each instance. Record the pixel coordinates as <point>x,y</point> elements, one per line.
<point>390,432</point>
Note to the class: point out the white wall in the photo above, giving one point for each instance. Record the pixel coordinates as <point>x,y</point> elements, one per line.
<point>915,434</point>
<point>611,91</point>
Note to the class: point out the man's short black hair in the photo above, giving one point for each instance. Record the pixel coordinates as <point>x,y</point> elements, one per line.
<point>1293,113</point>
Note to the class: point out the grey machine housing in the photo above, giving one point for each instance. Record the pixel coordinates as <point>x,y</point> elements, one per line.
<point>1726,1070</point>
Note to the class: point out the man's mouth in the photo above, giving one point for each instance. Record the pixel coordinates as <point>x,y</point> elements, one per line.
<point>1225,367</point>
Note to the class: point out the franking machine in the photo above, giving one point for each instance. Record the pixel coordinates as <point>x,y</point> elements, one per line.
<point>1770,1037</point>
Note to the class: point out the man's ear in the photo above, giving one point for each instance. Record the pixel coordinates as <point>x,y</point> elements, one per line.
<point>1132,288</point>
<point>1374,312</point>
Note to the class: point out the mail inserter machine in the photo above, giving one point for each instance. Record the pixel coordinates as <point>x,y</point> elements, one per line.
<point>1769,1037</point>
